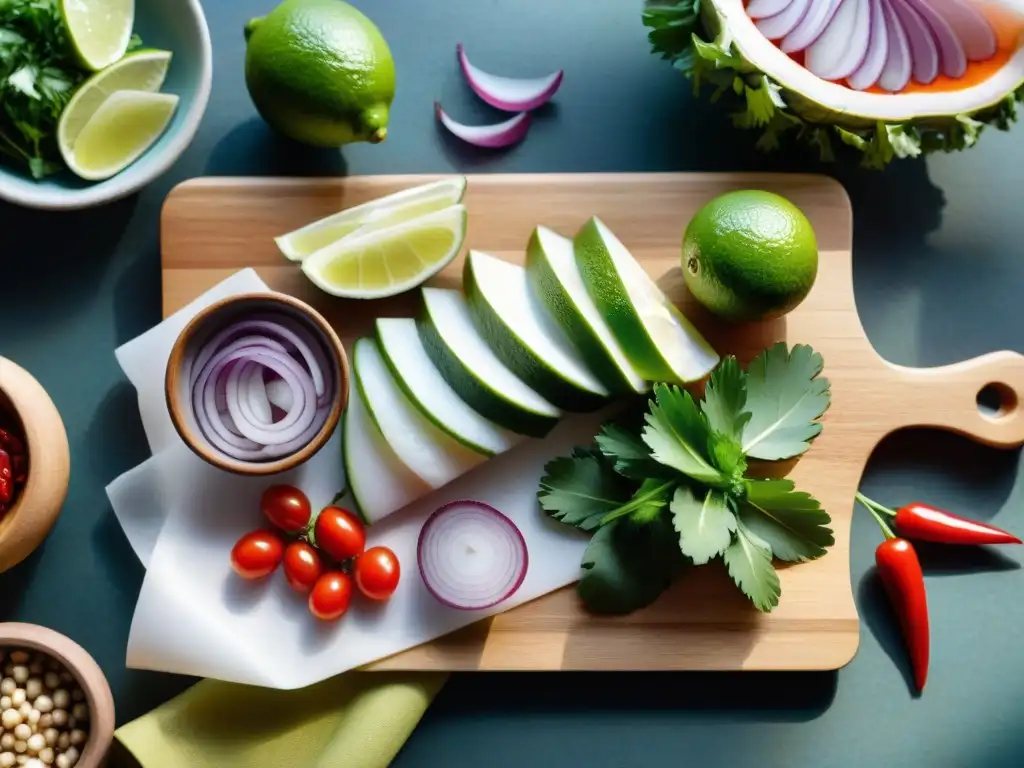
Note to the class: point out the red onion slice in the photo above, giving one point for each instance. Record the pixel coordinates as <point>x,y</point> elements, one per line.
<point>811,26</point>
<point>760,9</point>
<point>870,69</point>
<point>898,66</point>
<point>924,52</point>
<point>972,29</point>
<point>780,25</point>
<point>471,556</point>
<point>489,136</point>
<point>952,56</point>
<point>509,93</point>
<point>843,45</point>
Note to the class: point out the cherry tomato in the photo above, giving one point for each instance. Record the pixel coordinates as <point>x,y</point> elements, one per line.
<point>286,507</point>
<point>302,566</point>
<point>377,573</point>
<point>257,554</point>
<point>330,596</point>
<point>339,533</point>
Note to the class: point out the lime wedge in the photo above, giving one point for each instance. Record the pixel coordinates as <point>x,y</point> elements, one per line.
<point>140,71</point>
<point>388,261</point>
<point>124,127</point>
<point>100,30</point>
<point>376,214</point>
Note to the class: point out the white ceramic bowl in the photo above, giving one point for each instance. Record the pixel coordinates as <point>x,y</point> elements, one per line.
<point>178,26</point>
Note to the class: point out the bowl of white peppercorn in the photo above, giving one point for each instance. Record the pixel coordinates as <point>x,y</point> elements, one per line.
<point>56,708</point>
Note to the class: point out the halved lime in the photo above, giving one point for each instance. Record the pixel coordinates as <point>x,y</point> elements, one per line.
<point>375,214</point>
<point>388,261</point>
<point>140,71</point>
<point>124,127</point>
<point>100,30</point>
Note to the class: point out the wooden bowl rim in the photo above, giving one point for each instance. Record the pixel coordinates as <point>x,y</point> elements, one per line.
<point>25,525</point>
<point>172,379</point>
<point>86,671</point>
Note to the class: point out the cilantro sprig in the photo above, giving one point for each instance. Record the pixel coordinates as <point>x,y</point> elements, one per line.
<point>672,489</point>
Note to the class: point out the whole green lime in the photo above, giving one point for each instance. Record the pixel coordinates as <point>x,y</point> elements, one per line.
<point>320,72</point>
<point>750,255</point>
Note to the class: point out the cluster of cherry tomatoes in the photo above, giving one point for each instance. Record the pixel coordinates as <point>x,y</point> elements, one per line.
<point>322,556</point>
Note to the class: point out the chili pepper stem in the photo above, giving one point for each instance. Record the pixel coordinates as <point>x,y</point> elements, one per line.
<point>886,530</point>
<point>872,504</point>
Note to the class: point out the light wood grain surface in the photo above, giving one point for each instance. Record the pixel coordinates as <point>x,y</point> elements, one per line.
<point>213,227</point>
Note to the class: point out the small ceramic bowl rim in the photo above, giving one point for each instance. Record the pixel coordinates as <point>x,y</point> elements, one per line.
<point>173,384</point>
<point>119,186</point>
<point>34,512</point>
<point>87,672</point>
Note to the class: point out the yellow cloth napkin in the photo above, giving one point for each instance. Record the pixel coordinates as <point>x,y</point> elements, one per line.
<point>356,720</point>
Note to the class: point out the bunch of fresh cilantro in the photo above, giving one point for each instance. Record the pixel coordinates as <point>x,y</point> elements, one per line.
<point>668,487</point>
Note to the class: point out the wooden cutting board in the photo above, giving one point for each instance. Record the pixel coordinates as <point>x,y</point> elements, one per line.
<point>213,227</point>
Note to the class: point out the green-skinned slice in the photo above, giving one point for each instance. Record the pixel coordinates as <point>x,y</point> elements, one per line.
<point>473,370</point>
<point>378,481</point>
<point>423,384</point>
<point>430,453</point>
<point>555,280</point>
<point>518,328</point>
<point>661,344</point>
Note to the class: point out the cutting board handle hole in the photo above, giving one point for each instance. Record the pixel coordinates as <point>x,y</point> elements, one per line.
<point>996,400</point>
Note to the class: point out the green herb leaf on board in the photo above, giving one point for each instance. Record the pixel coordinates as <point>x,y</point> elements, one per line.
<point>791,522</point>
<point>785,397</point>
<point>705,523</point>
<point>749,562</point>
<point>646,504</point>
<point>581,489</point>
<point>629,454</point>
<point>677,434</point>
<point>725,399</point>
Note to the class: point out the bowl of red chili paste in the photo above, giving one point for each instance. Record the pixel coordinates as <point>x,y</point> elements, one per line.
<point>35,464</point>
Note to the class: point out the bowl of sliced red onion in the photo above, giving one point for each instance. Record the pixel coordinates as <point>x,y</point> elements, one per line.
<point>256,383</point>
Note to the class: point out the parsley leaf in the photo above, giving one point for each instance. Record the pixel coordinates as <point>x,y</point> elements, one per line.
<point>792,523</point>
<point>749,562</point>
<point>727,456</point>
<point>677,434</point>
<point>626,566</point>
<point>785,396</point>
<point>629,454</point>
<point>646,504</point>
<point>705,526</point>
<point>725,399</point>
<point>581,490</point>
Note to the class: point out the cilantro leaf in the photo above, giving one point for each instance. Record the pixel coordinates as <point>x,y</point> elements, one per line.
<point>629,454</point>
<point>785,396</point>
<point>646,504</point>
<point>626,566</point>
<point>725,399</point>
<point>581,489</point>
<point>792,523</point>
<point>749,562</point>
<point>677,434</point>
<point>705,526</point>
<point>671,25</point>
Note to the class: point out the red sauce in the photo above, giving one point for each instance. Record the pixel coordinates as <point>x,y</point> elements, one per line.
<point>13,462</point>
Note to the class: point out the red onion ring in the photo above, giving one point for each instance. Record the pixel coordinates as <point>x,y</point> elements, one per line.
<point>261,388</point>
<point>471,556</point>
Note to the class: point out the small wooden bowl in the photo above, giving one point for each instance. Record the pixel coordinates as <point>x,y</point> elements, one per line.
<point>35,510</point>
<point>85,670</point>
<point>218,316</point>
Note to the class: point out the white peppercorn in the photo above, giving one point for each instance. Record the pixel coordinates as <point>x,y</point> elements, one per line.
<point>60,718</point>
<point>43,703</point>
<point>45,721</point>
<point>10,718</point>
<point>46,756</point>
<point>20,746</point>
<point>22,732</point>
<point>18,697</point>
<point>63,742</point>
<point>63,761</point>
<point>80,711</point>
<point>61,699</point>
<point>72,754</point>
<point>7,742</point>
<point>21,759</point>
<point>36,742</point>
<point>20,674</point>
<point>7,759</point>
<point>7,686</point>
<point>5,702</point>
<point>33,688</point>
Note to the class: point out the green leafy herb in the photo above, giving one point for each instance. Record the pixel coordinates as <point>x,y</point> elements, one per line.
<point>677,434</point>
<point>784,396</point>
<point>626,566</point>
<point>749,562</point>
<point>791,522</point>
<point>579,490</point>
<point>37,79</point>
<point>705,525</point>
<point>671,488</point>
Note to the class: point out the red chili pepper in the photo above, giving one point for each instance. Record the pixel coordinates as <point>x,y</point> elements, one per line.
<point>901,574</point>
<point>6,478</point>
<point>927,523</point>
